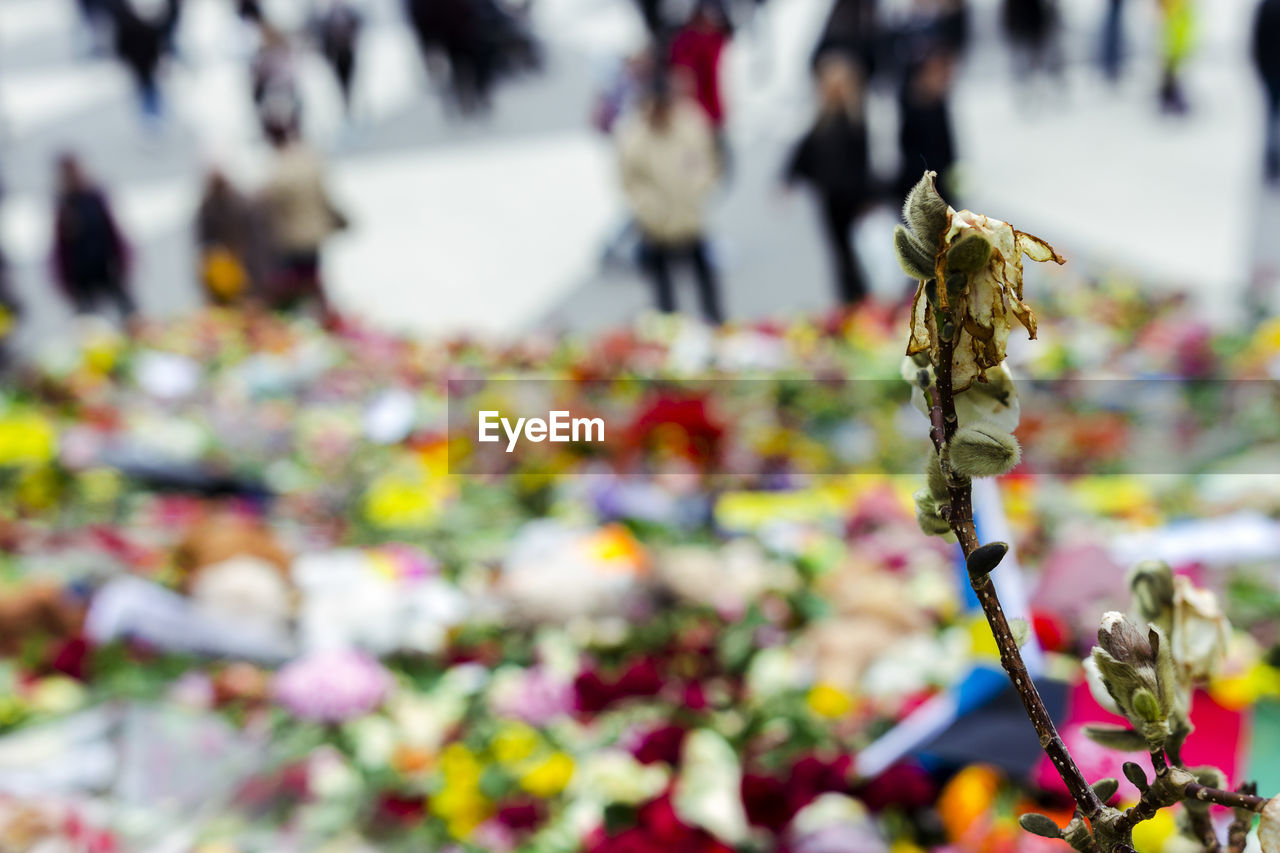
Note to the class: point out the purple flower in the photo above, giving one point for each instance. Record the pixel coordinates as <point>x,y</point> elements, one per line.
<point>331,686</point>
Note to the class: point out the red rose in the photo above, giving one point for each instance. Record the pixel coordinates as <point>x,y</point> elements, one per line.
<point>661,744</point>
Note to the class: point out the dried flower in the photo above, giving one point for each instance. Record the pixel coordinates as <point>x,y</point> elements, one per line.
<point>1269,827</point>
<point>978,261</point>
<point>1200,630</point>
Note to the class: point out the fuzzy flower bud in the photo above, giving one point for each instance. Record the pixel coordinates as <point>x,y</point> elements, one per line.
<point>1151,582</point>
<point>984,450</point>
<point>1129,666</point>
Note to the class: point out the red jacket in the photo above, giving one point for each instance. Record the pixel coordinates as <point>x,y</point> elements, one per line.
<point>697,49</point>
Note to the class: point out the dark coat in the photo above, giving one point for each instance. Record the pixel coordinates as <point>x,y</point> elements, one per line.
<point>1266,42</point>
<point>833,158</point>
<point>924,141</point>
<point>88,247</point>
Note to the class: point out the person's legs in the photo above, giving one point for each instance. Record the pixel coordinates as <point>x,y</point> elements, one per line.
<point>1272,145</point>
<point>837,216</point>
<point>113,289</point>
<point>82,296</point>
<point>657,260</point>
<point>708,287</point>
<point>1112,45</point>
<point>344,66</point>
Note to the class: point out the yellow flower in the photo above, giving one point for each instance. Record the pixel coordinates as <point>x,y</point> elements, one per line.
<point>459,764</point>
<point>462,807</point>
<point>459,801</point>
<point>513,743</point>
<point>982,642</point>
<point>549,777</point>
<point>37,488</point>
<point>1150,835</point>
<point>26,439</point>
<point>100,485</point>
<point>827,700</point>
<point>57,694</point>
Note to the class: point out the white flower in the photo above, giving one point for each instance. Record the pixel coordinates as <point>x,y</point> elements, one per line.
<point>1200,630</point>
<point>708,791</point>
<point>615,776</point>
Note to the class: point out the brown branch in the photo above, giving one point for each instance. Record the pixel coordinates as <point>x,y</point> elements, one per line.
<point>1238,831</point>
<point>1201,826</point>
<point>960,518</point>
<point>1233,799</point>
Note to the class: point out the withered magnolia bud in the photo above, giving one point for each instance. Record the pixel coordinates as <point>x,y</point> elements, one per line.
<point>969,253</point>
<point>925,211</point>
<point>983,450</point>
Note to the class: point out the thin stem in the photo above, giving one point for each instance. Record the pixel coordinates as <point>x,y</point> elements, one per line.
<point>1238,831</point>
<point>1202,826</point>
<point>961,521</point>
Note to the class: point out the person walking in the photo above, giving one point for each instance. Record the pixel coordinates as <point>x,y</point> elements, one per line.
<point>140,42</point>
<point>695,55</point>
<point>1111,55</point>
<point>90,257</point>
<point>925,139</point>
<point>832,158</point>
<point>339,33</point>
<point>1032,29</point>
<point>274,79</point>
<point>299,217</point>
<point>1266,58</point>
<point>1177,39</point>
<point>666,154</point>
<point>226,239</point>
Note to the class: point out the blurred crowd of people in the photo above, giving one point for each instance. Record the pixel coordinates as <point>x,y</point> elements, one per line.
<point>262,245</point>
<point>668,115</point>
<point>665,110</point>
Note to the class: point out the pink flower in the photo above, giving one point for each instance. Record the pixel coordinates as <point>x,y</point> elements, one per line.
<point>331,686</point>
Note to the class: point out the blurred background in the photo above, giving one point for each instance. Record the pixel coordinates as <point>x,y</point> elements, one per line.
<point>471,152</point>
<point>261,262</point>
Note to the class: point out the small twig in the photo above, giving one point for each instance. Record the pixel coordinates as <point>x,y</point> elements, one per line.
<point>1238,831</point>
<point>1234,799</point>
<point>1202,826</point>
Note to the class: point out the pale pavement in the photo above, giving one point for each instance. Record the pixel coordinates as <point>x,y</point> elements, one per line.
<point>497,226</point>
